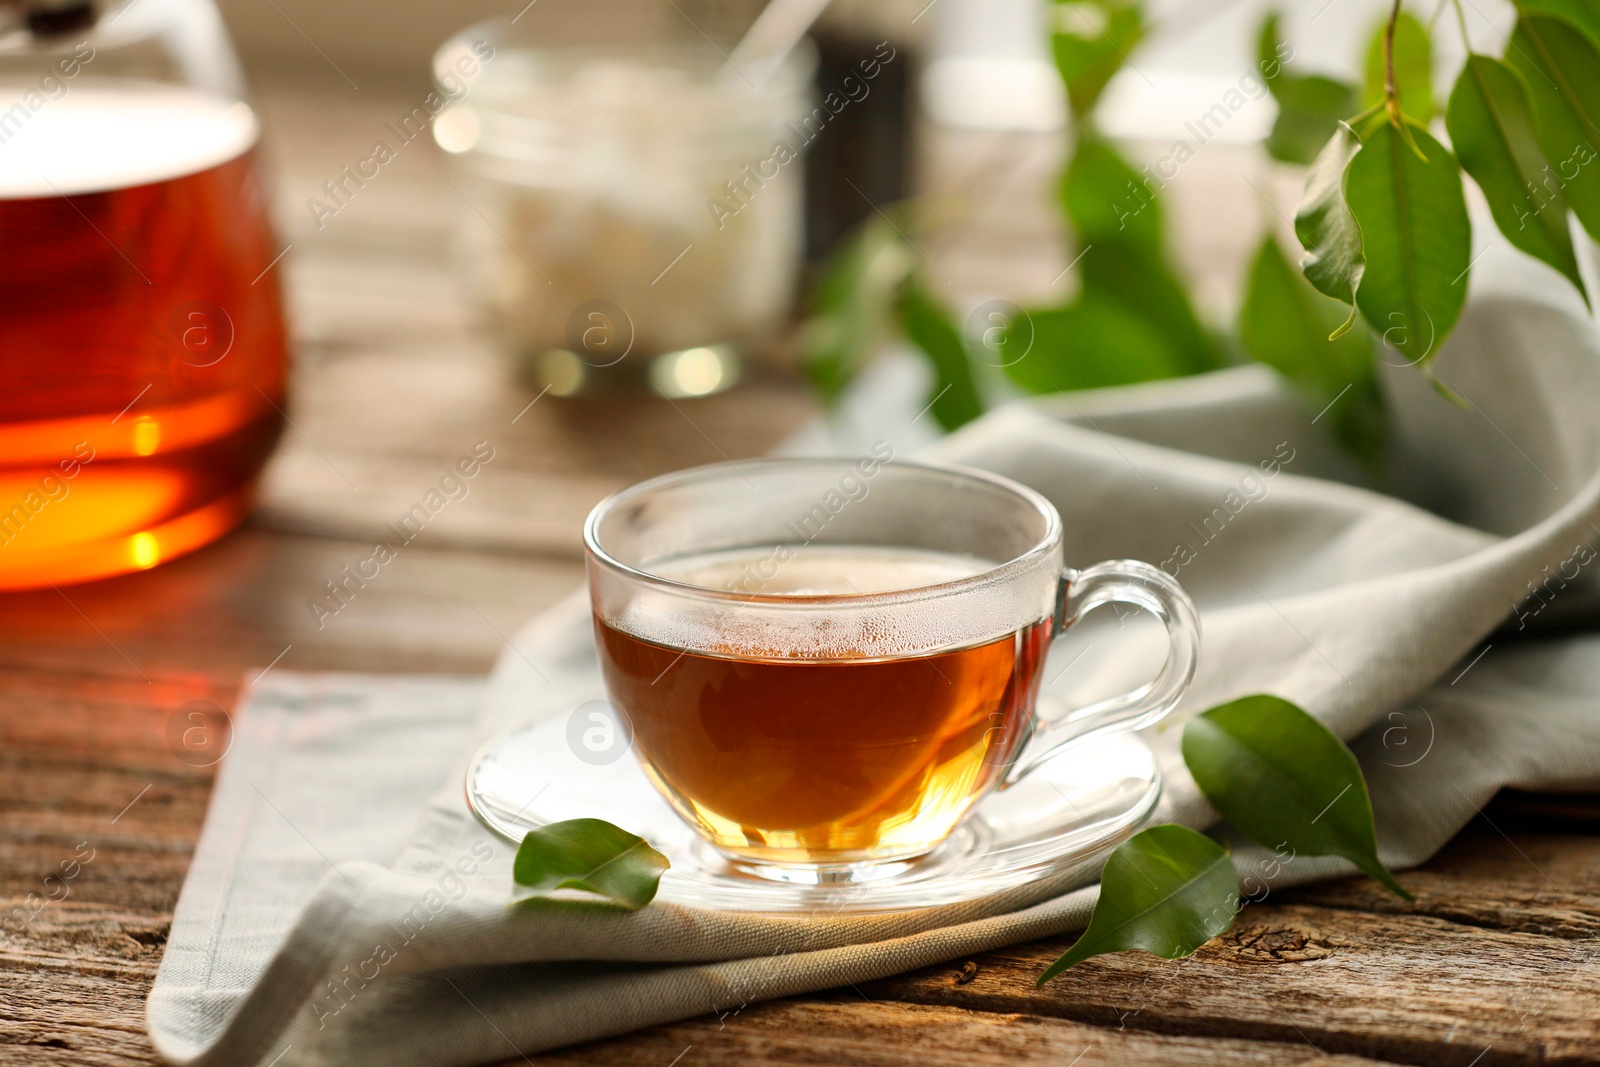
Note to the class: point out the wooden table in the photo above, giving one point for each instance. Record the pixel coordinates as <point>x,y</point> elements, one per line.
<point>1495,963</point>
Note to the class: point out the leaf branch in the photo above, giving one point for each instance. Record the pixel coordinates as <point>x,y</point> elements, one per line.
<point>1461,21</point>
<point>1391,93</point>
<point>1391,85</point>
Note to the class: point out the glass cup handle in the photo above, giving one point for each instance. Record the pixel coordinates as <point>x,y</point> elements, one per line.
<point>1124,581</point>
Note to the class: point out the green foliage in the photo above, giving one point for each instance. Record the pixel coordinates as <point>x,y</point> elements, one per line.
<point>1166,890</point>
<point>1106,199</point>
<point>1310,107</point>
<point>1582,15</point>
<point>852,305</point>
<point>592,855</point>
<point>1090,344</point>
<point>1091,42</point>
<point>1415,237</point>
<point>1309,112</point>
<point>869,292</point>
<point>1360,422</point>
<point>1270,48</point>
<point>1382,222</point>
<point>1561,70</point>
<point>1133,321</point>
<point>1284,779</point>
<point>1328,232</point>
<point>1491,129</point>
<point>1123,275</point>
<point>1286,324</point>
<point>954,399</point>
<point>1278,776</point>
<point>1413,68</point>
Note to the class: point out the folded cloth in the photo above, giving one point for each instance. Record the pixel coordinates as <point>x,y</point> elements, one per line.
<point>334,914</point>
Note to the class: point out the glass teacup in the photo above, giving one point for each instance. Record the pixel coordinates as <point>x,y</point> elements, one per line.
<point>826,663</point>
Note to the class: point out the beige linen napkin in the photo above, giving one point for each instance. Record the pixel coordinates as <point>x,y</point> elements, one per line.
<point>336,914</point>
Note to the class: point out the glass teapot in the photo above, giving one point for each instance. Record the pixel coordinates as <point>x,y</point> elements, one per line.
<point>142,339</point>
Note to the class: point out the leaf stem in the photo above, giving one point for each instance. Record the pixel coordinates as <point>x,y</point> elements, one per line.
<point>1356,120</point>
<point>1461,20</point>
<point>1391,93</point>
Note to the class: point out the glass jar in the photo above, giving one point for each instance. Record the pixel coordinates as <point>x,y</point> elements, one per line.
<point>631,214</point>
<point>142,340</point>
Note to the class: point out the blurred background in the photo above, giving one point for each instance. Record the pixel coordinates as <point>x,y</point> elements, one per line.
<point>572,235</point>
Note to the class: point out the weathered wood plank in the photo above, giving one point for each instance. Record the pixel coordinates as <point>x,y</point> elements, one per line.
<point>204,619</point>
<point>74,833</point>
<point>847,1030</point>
<point>1410,988</point>
<point>1544,883</point>
<point>84,1003</point>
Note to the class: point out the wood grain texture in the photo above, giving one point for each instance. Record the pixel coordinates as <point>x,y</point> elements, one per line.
<point>1294,982</point>
<point>1322,974</point>
<point>1406,988</point>
<point>238,604</point>
<point>850,1030</point>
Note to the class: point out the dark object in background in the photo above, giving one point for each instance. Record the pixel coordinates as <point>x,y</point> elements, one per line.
<point>48,18</point>
<point>866,145</point>
<point>869,142</point>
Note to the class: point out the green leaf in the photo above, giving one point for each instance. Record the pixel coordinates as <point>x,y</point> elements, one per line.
<point>1091,42</point>
<point>1583,15</point>
<point>928,325</point>
<point>1413,68</point>
<point>1284,779</point>
<point>1142,284</point>
<point>1360,423</point>
<point>1416,239</point>
<point>1106,199</point>
<point>1166,890</point>
<point>853,305</point>
<point>1309,112</point>
<point>1310,107</point>
<point>1269,42</point>
<point>1091,344</point>
<point>593,855</point>
<point>1285,324</point>
<point>1561,68</point>
<point>1491,129</point>
<point>1333,261</point>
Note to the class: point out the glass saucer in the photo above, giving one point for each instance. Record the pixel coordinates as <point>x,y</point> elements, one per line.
<point>1070,811</point>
